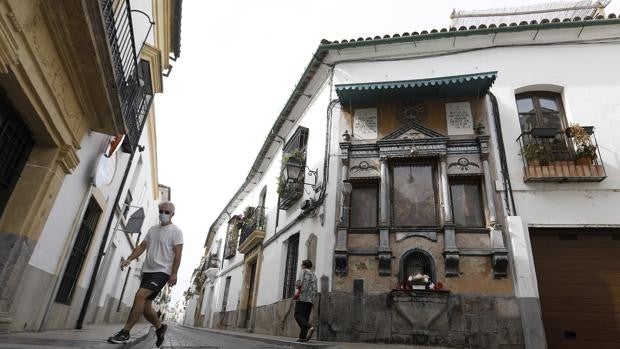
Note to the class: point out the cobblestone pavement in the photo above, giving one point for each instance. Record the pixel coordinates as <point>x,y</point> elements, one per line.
<point>181,337</point>
<point>178,337</point>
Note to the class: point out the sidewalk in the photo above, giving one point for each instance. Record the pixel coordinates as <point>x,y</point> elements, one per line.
<point>313,344</point>
<point>91,337</point>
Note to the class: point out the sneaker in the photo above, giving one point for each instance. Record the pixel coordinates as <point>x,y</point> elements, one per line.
<point>161,332</point>
<point>310,332</point>
<point>121,337</point>
<point>302,340</point>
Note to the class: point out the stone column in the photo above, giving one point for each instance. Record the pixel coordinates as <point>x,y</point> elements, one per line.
<point>450,251</point>
<point>385,253</point>
<point>340,251</point>
<point>500,253</point>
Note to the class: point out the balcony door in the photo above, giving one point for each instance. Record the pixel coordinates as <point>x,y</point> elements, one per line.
<point>543,111</point>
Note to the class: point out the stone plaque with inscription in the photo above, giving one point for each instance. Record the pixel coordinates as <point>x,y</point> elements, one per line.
<point>365,124</point>
<point>459,118</point>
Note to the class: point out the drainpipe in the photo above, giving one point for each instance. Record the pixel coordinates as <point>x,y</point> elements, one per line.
<point>512,208</point>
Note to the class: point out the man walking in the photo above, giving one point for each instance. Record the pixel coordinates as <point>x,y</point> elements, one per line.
<point>163,244</point>
<point>305,294</point>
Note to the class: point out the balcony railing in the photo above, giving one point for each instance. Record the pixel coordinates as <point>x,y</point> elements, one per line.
<point>252,228</point>
<point>553,155</point>
<point>131,76</point>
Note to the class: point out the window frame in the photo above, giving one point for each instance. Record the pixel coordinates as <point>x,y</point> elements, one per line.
<point>535,96</point>
<point>364,183</point>
<point>433,164</point>
<point>230,247</point>
<point>79,252</point>
<point>478,180</point>
<point>290,266</point>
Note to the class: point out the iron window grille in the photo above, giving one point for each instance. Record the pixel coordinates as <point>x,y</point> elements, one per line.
<point>79,252</point>
<point>232,238</point>
<point>417,262</point>
<point>226,291</point>
<point>290,271</point>
<point>15,146</point>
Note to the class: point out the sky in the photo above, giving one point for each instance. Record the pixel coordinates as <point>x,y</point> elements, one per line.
<point>240,60</point>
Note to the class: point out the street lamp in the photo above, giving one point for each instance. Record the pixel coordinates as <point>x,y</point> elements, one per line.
<point>295,170</point>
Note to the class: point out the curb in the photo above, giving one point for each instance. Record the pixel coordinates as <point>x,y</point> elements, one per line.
<point>289,343</point>
<point>137,340</point>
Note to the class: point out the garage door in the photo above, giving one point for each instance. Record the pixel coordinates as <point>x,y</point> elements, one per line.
<point>578,276</point>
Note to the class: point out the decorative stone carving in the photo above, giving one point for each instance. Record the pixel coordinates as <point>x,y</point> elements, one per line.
<point>413,130</point>
<point>55,73</point>
<point>410,113</point>
<point>463,165</point>
<point>500,264</point>
<point>67,158</point>
<point>340,263</point>
<point>452,263</point>
<point>431,235</point>
<point>385,264</point>
<point>364,168</point>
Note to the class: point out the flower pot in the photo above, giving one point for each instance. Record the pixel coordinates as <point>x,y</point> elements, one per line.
<point>533,162</point>
<point>583,161</point>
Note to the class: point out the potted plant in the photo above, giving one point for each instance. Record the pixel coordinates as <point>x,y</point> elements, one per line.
<point>533,153</point>
<point>585,151</point>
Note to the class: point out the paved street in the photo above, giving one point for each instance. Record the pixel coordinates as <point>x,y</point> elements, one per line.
<point>180,337</point>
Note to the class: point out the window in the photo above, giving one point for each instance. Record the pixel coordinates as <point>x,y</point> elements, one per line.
<point>413,195</point>
<point>79,252</point>
<point>467,202</point>
<point>295,147</point>
<point>544,110</point>
<point>226,290</point>
<point>417,262</point>
<point>540,109</point>
<point>364,205</point>
<point>290,271</point>
<point>232,237</point>
<point>15,146</point>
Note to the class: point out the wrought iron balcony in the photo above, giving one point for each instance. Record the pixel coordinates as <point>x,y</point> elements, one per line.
<point>554,155</point>
<point>132,77</point>
<point>252,231</point>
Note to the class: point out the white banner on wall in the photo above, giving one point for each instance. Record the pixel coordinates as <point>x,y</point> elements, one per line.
<point>365,124</point>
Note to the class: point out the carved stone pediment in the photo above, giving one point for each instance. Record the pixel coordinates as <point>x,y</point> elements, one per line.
<point>413,130</point>
<point>464,165</point>
<point>363,168</point>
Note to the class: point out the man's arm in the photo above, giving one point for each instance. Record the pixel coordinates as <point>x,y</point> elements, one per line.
<point>178,251</point>
<point>134,254</point>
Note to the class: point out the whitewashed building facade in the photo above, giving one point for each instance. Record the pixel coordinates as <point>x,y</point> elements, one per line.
<point>456,102</point>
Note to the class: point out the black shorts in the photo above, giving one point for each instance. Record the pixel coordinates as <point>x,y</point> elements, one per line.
<point>154,282</point>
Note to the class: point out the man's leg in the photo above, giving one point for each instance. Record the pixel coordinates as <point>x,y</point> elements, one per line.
<point>137,309</point>
<point>150,314</point>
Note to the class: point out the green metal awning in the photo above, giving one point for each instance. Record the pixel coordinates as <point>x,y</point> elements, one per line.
<point>449,86</point>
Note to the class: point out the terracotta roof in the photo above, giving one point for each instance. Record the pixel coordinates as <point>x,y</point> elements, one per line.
<point>524,25</point>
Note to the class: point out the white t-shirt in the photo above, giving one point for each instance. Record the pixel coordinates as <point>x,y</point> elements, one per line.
<point>160,242</point>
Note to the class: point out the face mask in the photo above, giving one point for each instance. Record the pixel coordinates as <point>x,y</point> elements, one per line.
<point>164,218</point>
